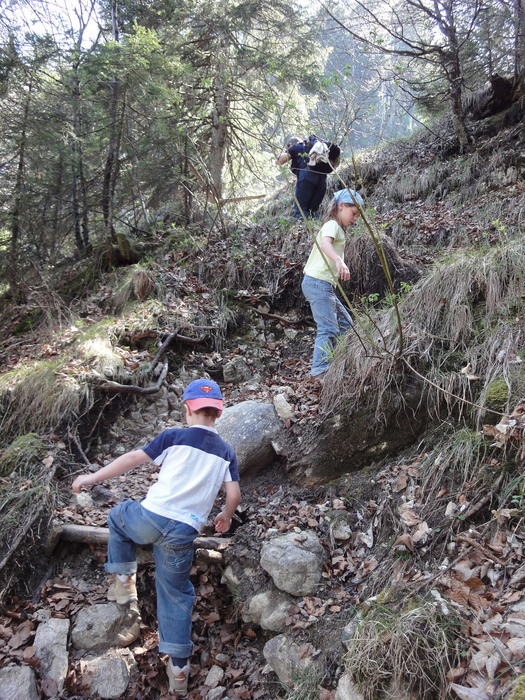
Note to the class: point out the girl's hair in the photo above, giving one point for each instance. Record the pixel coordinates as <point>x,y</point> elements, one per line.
<point>332,210</point>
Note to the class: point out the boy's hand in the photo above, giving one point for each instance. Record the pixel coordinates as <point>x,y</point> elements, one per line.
<point>222,522</point>
<point>82,480</point>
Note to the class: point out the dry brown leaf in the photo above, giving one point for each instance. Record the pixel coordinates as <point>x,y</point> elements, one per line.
<point>405,540</point>
<point>22,634</point>
<point>422,533</point>
<point>400,484</point>
<point>469,693</point>
<point>338,504</point>
<point>410,518</point>
<point>517,647</point>
<point>455,674</point>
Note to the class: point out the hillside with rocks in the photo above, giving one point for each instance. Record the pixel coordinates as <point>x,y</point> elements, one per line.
<point>378,550</point>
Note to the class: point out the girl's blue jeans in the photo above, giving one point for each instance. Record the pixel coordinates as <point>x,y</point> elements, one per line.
<point>130,525</point>
<point>331,317</point>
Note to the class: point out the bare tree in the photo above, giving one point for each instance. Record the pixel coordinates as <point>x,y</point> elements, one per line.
<point>433,32</point>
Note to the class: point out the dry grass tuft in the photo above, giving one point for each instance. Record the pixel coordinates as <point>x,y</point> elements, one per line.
<point>463,329</point>
<point>408,651</point>
<point>39,397</point>
<point>134,284</point>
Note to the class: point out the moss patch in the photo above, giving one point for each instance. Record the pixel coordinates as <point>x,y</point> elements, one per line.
<point>21,454</point>
<point>497,395</point>
<point>518,692</point>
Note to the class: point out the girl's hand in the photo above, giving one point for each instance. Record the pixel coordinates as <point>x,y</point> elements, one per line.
<point>222,522</point>
<point>342,270</point>
<point>82,480</point>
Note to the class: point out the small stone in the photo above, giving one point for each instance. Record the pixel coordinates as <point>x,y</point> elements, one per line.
<point>214,677</point>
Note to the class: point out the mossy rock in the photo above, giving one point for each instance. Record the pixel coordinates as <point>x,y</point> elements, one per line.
<point>518,692</point>
<point>497,395</point>
<point>21,454</point>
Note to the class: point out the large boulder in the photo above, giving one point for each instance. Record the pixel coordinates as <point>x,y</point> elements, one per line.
<point>294,561</point>
<point>250,428</point>
<point>105,625</point>
<point>269,609</point>
<point>352,437</point>
<point>107,675</point>
<point>288,660</point>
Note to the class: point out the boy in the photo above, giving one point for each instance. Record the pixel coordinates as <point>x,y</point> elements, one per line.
<point>196,462</point>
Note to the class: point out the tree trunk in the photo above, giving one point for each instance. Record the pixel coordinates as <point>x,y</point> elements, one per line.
<point>111,168</point>
<point>18,193</point>
<point>78,181</point>
<point>452,66</point>
<point>519,52</point>
<point>219,120</point>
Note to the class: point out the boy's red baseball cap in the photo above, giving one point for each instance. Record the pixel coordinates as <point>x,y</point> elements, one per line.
<point>203,393</point>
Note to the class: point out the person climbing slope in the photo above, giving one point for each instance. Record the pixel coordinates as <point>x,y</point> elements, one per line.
<point>195,463</point>
<point>323,268</point>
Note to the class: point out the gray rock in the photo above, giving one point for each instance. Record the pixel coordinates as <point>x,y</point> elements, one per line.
<point>346,690</point>
<point>230,579</point>
<point>283,408</point>
<point>237,370</point>
<point>105,625</point>
<point>18,683</point>
<point>269,609</point>
<point>214,677</point>
<point>216,693</point>
<point>249,427</point>
<point>285,659</point>
<point>108,675</point>
<point>350,630</point>
<point>51,650</point>
<point>294,561</point>
<point>340,525</point>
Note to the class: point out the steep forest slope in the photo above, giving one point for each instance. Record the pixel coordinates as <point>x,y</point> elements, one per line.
<point>415,439</point>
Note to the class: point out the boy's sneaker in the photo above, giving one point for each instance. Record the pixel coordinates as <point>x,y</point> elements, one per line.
<point>178,678</point>
<point>123,592</point>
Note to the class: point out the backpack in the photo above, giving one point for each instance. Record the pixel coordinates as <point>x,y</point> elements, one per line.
<point>324,155</point>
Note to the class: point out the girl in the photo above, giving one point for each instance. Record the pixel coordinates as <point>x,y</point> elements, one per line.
<point>321,273</point>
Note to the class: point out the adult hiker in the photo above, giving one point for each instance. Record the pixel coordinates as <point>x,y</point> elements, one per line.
<point>311,182</point>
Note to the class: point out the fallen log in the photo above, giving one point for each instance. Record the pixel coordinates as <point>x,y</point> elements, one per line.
<point>86,534</point>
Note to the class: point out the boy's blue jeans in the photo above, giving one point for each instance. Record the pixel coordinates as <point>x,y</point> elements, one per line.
<point>331,317</point>
<point>130,525</point>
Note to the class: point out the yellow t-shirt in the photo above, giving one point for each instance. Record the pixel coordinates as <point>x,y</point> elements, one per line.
<point>316,265</point>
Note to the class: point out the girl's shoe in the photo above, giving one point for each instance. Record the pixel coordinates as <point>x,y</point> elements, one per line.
<point>125,591</point>
<point>178,678</point>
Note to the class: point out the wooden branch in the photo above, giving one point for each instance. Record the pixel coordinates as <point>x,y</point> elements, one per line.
<point>274,317</point>
<point>231,200</point>
<point>480,548</point>
<point>162,350</point>
<point>86,534</point>
<point>115,387</point>
<point>475,507</point>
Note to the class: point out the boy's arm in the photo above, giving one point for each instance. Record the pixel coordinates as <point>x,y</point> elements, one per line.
<point>118,466</point>
<point>328,249</point>
<point>233,497</point>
